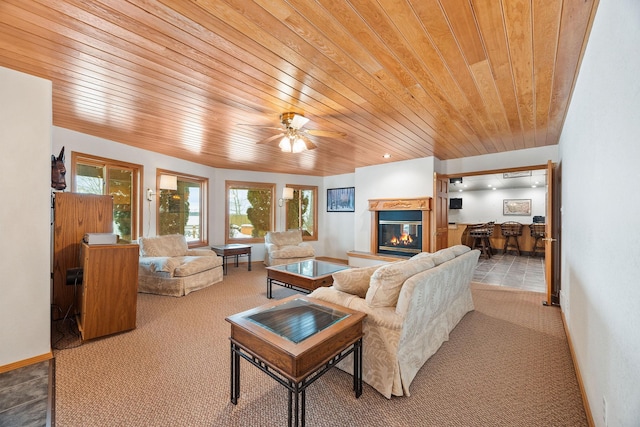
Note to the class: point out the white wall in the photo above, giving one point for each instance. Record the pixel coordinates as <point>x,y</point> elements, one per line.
<point>408,179</point>
<point>508,159</point>
<point>338,227</point>
<point>486,205</point>
<point>600,154</point>
<point>25,214</point>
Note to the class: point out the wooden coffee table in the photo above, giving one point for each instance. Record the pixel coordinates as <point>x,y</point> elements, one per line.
<point>295,341</point>
<point>232,249</point>
<point>303,276</point>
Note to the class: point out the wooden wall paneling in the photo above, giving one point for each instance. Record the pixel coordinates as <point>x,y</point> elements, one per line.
<point>74,216</point>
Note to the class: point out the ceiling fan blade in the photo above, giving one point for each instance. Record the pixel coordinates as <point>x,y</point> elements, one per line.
<point>272,138</point>
<point>298,121</point>
<point>310,145</point>
<point>316,132</point>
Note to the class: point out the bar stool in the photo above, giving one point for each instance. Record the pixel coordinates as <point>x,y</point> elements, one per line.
<point>538,233</point>
<point>481,234</point>
<point>511,230</point>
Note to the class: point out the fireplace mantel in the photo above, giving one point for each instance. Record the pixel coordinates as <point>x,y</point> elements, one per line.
<point>417,204</point>
<point>414,204</point>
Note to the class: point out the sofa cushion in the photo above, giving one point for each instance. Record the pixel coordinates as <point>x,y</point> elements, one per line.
<point>293,252</point>
<point>460,249</point>
<point>195,264</point>
<point>285,238</point>
<point>387,280</point>
<point>443,255</point>
<point>172,245</point>
<point>354,281</point>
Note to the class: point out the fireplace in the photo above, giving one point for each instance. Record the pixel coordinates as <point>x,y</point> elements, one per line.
<point>399,232</point>
<point>399,227</point>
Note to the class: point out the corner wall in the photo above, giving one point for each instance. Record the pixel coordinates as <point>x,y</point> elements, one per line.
<point>25,214</point>
<point>600,154</point>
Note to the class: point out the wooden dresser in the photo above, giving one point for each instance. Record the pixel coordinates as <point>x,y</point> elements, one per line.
<point>109,293</point>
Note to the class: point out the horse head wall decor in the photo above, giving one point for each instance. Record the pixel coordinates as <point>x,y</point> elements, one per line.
<point>58,172</point>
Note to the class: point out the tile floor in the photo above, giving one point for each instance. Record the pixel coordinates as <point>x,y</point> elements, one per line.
<point>24,396</point>
<point>521,272</point>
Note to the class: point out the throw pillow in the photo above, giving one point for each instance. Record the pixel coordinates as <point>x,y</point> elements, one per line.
<point>386,281</point>
<point>354,281</point>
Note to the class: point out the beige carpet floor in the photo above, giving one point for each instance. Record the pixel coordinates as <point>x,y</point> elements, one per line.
<point>506,364</point>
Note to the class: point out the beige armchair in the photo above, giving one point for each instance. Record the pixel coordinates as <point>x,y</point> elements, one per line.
<point>168,267</point>
<point>284,247</point>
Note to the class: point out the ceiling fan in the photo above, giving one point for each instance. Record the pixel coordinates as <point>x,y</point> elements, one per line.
<point>293,137</point>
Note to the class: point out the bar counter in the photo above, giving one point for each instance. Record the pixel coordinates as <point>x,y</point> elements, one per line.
<point>458,234</point>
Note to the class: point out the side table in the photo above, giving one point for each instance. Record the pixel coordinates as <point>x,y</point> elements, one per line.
<point>232,249</point>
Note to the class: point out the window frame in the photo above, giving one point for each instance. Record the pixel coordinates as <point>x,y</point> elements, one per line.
<point>204,204</point>
<point>228,185</point>
<point>313,188</point>
<point>136,185</point>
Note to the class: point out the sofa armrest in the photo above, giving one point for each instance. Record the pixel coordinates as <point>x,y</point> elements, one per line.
<point>159,263</point>
<point>381,316</point>
<point>270,247</point>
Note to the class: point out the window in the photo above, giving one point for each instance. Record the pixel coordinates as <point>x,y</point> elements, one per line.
<point>97,175</point>
<point>302,211</point>
<point>250,211</point>
<point>184,210</point>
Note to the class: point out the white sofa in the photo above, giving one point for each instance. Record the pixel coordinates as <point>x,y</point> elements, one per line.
<point>411,308</point>
<point>284,247</point>
<point>168,267</point>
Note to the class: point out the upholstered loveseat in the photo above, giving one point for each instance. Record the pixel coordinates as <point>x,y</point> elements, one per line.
<point>284,247</point>
<point>411,308</point>
<point>168,267</point>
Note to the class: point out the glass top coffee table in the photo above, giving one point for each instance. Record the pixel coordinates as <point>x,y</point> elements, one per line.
<point>295,341</point>
<point>303,276</point>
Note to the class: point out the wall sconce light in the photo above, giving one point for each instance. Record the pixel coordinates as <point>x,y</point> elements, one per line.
<point>287,194</point>
<point>167,182</point>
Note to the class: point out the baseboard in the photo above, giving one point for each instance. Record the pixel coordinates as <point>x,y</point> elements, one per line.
<point>585,400</point>
<point>26,362</point>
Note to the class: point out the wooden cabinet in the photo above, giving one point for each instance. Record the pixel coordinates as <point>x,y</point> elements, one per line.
<point>109,289</point>
<point>74,216</point>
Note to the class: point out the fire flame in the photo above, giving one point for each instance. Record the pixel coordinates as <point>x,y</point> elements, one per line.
<point>404,240</point>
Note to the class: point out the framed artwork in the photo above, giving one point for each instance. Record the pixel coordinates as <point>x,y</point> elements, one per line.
<point>520,207</point>
<point>341,199</point>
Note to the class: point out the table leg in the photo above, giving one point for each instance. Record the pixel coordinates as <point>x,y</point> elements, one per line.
<point>269,285</point>
<point>357,367</point>
<point>224,265</point>
<point>298,405</point>
<point>249,256</point>
<point>237,259</point>
<point>235,374</point>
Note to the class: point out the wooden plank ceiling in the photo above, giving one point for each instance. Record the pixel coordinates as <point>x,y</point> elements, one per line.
<point>412,78</point>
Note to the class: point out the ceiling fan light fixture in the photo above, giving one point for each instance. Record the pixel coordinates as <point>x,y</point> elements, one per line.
<point>298,146</point>
<point>285,145</point>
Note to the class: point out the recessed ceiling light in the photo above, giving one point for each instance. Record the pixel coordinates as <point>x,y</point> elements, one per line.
<point>533,186</point>
<point>489,185</point>
<point>460,191</point>
<point>386,155</point>
<point>493,188</point>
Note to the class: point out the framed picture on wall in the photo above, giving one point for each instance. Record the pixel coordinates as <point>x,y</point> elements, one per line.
<point>341,199</point>
<point>520,207</point>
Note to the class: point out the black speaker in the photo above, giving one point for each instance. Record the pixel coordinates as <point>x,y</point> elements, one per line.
<point>74,276</point>
<point>455,180</point>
